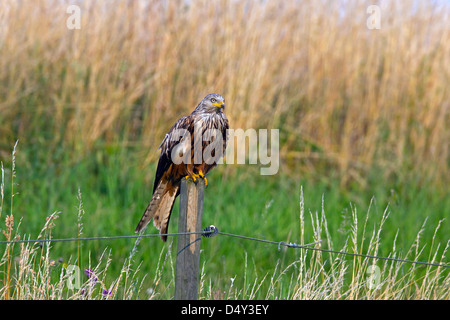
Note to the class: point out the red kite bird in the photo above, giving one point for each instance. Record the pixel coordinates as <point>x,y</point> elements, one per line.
<point>191,148</point>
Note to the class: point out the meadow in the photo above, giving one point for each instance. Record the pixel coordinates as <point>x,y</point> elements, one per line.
<point>364,156</point>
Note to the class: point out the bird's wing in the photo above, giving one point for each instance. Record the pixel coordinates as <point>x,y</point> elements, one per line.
<point>172,138</point>
<point>166,188</point>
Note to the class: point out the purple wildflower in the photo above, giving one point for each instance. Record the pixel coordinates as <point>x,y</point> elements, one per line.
<point>91,275</point>
<point>106,292</point>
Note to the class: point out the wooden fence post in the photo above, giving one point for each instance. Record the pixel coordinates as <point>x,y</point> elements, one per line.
<point>188,258</point>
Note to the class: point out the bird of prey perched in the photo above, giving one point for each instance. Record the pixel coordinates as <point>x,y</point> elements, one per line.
<point>191,149</point>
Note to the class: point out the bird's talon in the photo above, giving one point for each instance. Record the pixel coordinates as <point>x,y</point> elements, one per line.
<point>202,175</point>
<point>193,177</point>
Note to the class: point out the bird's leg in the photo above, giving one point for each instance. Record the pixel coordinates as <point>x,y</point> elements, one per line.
<point>201,175</point>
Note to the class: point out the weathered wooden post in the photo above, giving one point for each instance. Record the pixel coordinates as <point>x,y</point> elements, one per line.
<point>188,257</point>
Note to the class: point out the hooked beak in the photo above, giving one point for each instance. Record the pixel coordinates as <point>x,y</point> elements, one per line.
<point>220,105</point>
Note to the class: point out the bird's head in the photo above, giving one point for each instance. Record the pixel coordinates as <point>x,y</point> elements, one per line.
<point>213,102</point>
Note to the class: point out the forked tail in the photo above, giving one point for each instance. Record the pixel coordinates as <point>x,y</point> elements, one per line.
<point>160,207</point>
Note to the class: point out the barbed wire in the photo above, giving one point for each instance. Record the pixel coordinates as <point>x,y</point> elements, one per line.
<point>213,231</point>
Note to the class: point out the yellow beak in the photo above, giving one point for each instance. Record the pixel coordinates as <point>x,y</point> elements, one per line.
<point>220,104</point>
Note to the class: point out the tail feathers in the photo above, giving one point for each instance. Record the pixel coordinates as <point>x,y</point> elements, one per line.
<point>160,207</point>
<point>162,215</point>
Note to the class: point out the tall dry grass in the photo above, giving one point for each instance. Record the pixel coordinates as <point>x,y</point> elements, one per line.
<point>343,96</point>
<point>317,275</point>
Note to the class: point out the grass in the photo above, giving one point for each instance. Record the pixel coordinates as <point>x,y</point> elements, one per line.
<point>301,212</point>
<point>364,131</point>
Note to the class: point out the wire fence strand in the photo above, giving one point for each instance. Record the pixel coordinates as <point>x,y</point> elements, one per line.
<point>212,231</point>
<point>308,247</point>
<point>101,237</point>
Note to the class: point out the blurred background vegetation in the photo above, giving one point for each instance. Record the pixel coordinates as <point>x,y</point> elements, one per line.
<point>361,112</point>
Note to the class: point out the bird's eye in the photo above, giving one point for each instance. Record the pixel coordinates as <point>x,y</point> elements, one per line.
<point>213,100</point>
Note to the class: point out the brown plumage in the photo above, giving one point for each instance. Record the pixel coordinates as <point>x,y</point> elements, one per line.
<point>188,149</point>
